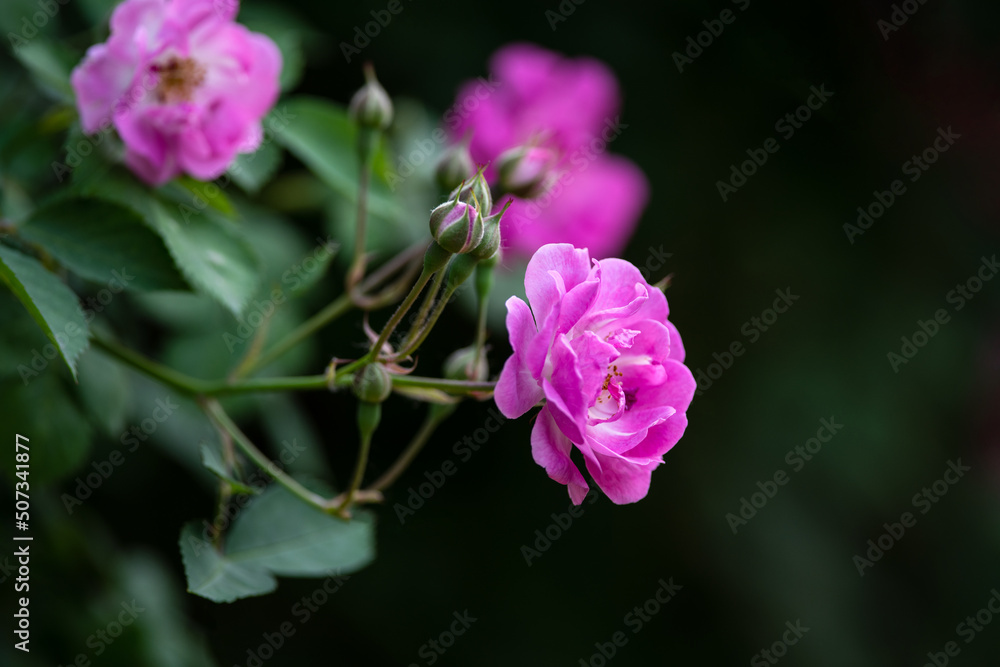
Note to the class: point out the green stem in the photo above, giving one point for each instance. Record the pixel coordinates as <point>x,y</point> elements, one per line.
<point>225,488</point>
<point>425,331</point>
<point>335,309</point>
<point>366,147</point>
<point>455,387</point>
<point>252,356</point>
<point>343,378</point>
<point>484,285</point>
<point>168,376</point>
<point>270,384</point>
<point>431,422</point>
<point>425,309</point>
<point>222,420</point>
<point>397,317</point>
<point>369,416</point>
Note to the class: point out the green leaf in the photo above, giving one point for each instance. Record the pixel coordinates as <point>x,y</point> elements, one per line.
<point>50,64</point>
<point>280,532</point>
<point>104,391</point>
<point>322,135</point>
<point>253,171</point>
<point>52,305</point>
<point>214,576</point>
<point>44,412</point>
<point>209,193</point>
<point>211,457</point>
<point>14,201</point>
<point>94,238</point>
<point>20,340</point>
<point>277,534</point>
<point>212,258</point>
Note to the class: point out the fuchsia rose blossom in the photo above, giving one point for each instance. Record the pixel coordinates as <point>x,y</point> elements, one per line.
<point>571,107</point>
<point>183,84</point>
<point>597,346</point>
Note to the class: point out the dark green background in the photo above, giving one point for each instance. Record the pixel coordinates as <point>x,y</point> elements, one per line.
<point>825,358</point>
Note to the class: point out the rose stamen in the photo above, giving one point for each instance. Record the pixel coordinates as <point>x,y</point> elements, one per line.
<point>179,78</point>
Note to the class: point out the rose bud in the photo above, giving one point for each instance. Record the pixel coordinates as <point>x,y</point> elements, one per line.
<point>475,191</point>
<point>371,107</point>
<point>455,167</point>
<point>466,364</point>
<point>372,384</point>
<point>490,244</point>
<point>524,171</point>
<point>456,226</point>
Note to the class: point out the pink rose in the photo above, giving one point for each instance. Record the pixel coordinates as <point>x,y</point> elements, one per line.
<point>571,107</point>
<point>183,84</point>
<point>597,346</point>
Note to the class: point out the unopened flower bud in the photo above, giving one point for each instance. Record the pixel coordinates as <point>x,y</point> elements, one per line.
<point>455,167</point>
<point>372,384</point>
<point>524,171</point>
<point>456,226</point>
<point>490,244</point>
<point>475,191</point>
<point>463,364</point>
<point>371,107</point>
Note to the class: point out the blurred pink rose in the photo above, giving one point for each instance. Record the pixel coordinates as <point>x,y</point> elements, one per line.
<point>597,346</point>
<point>183,84</point>
<point>569,106</point>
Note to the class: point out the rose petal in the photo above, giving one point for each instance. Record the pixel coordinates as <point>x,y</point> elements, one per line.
<point>622,479</point>
<point>554,270</point>
<point>517,390</point>
<point>551,450</point>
